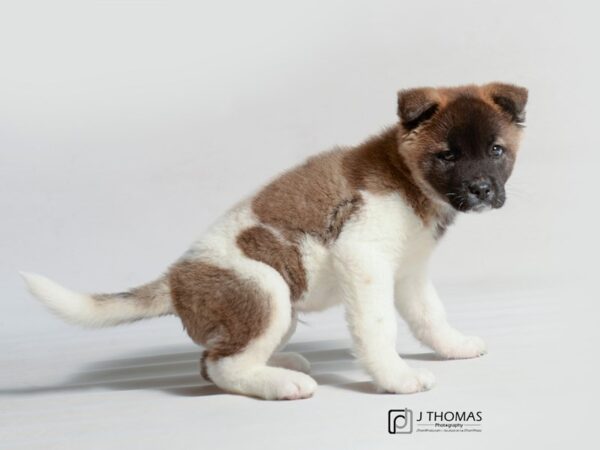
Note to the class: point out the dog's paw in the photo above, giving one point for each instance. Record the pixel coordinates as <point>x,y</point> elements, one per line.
<point>464,347</point>
<point>408,381</point>
<point>292,361</point>
<point>292,386</point>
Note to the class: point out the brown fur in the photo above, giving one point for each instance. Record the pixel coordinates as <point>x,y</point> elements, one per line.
<point>377,166</point>
<point>150,296</point>
<point>319,197</point>
<point>311,199</point>
<point>146,294</point>
<point>262,245</point>
<point>218,308</point>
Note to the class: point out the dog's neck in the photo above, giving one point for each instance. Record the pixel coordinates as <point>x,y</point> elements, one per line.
<point>377,165</point>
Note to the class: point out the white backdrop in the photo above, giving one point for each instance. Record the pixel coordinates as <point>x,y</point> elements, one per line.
<point>127,127</point>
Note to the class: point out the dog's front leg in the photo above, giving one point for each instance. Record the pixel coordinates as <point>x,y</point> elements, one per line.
<point>418,303</point>
<point>367,282</point>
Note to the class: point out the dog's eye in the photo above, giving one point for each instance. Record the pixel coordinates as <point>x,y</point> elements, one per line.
<point>448,155</point>
<point>497,151</point>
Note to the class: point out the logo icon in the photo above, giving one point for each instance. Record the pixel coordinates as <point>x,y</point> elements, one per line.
<point>400,421</point>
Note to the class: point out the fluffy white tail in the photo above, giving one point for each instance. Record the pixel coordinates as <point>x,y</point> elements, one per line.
<point>100,310</point>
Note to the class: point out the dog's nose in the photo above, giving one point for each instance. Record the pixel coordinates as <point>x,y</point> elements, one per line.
<point>481,188</point>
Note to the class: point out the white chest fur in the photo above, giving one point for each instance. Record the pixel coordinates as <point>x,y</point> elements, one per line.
<point>385,225</point>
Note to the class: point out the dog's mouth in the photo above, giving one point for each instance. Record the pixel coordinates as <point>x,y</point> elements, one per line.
<point>467,202</point>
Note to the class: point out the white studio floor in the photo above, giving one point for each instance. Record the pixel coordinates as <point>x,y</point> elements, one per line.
<point>138,386</point>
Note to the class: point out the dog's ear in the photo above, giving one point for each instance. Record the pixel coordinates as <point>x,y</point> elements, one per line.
<point>416,106</point>
<point>510,98</point>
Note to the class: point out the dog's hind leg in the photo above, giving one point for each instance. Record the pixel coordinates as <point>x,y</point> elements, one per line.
<point>241,321</point>
<point>289,360</point>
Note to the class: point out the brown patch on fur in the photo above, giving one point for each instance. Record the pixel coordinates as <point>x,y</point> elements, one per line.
<point>218,309</point>
<point>148,294</point>
<point>341,213</point>
<point>314,199</point>
<point>154,296</point>
<point>319,197</point>
<point>377,166</point>
<point>262,245</point>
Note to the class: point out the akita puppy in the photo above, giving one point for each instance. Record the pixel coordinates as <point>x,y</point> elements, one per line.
<point>353,225</point>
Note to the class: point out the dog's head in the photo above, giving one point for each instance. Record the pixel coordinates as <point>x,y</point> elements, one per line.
<point>461,143</point>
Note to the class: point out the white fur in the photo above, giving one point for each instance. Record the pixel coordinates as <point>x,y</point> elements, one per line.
<point>417,302</point>
<point>323,288</point>
<point>419,305</point>
<point>84,310</point>
<point>367,257</point>
<point>71,306</point>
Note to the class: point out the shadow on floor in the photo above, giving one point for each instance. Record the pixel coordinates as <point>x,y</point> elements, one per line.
<point>175,371</point>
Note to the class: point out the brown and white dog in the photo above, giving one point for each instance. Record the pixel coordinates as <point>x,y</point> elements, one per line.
<point>353,225</point>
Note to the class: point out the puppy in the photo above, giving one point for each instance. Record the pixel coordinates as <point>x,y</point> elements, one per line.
<point>353,225</point>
